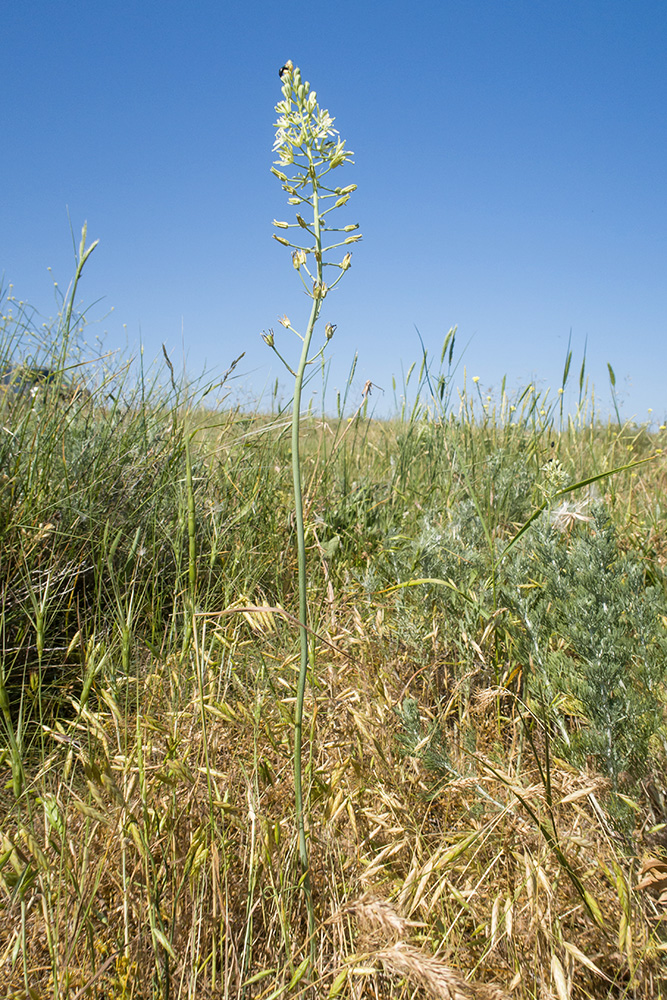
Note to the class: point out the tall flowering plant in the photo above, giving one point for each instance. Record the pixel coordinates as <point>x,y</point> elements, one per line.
<point>309,150</point>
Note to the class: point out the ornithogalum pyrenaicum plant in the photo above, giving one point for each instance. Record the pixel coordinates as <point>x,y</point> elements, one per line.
<point>309,150</point>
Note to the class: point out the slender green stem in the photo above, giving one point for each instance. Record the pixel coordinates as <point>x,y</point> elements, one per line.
<point>82,256</point>
<point>303,137</point>
<point>192,523</point>
<point>303,582</point>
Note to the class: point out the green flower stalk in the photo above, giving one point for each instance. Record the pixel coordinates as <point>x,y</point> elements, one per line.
<point>309,149</point>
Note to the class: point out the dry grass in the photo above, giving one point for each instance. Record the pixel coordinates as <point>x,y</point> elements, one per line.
<point>155,853</point>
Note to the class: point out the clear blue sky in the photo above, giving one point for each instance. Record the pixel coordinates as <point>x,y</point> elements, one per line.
<point>511,161</point>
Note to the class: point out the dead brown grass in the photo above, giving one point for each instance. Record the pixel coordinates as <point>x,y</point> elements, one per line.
<point>154,852</point>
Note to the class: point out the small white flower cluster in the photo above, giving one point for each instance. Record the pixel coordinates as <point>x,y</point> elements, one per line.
<point>555,476</point>
<point>291,132</point>
<point>302,123</point>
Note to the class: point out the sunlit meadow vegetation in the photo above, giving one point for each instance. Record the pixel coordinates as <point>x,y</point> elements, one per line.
<point>483,751</point>
<point>485,759</point>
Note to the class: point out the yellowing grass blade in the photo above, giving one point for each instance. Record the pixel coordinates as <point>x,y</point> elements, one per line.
<point>559,979</point>
<point>578,794</point>
<point>579,956</point>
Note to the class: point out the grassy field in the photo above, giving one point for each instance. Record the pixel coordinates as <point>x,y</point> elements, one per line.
<point>485,740</point>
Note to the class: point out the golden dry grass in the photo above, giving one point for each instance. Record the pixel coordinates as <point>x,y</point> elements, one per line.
<point>157,853</point>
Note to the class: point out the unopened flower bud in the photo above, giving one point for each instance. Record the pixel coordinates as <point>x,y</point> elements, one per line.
<point>351,227</point>
<point>268,338</point>
<point>342,201</point>
<point>329,330</point>
<point>302,222</point>
<point>298,258</point>
<point>281,225</point>
<point>350,239</point>
<point>284,242</point>
<point>279,174</point>
<point>346,262</point>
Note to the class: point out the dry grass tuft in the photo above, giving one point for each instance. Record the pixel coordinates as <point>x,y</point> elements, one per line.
<point>422,969</point>
<point>377,919</point>
<point>382,933</point>
<point>159,848</point>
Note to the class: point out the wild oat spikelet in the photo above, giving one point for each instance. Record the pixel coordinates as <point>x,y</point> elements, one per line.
<point>424,970</point>
<point>377,919</point>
